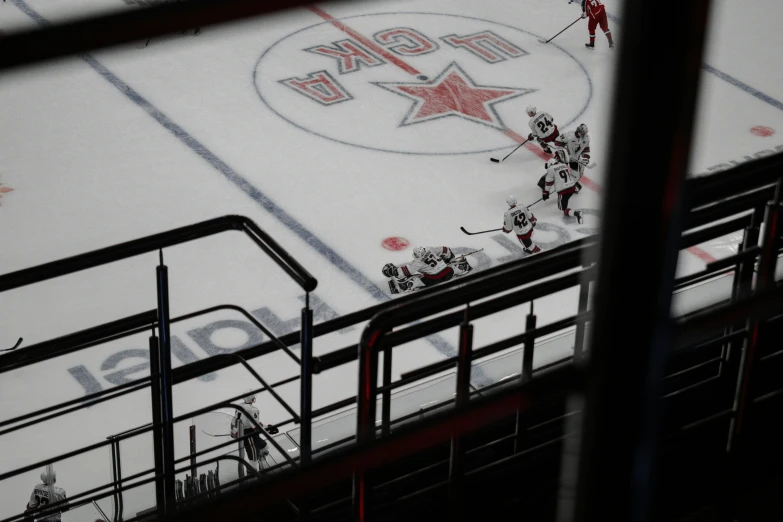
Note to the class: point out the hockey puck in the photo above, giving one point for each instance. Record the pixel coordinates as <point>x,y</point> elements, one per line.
<point>395,243</point>
<point>422,77</point>
<point>762,131</point>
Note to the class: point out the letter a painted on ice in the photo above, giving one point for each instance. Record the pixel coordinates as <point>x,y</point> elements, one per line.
<point>320,87</point>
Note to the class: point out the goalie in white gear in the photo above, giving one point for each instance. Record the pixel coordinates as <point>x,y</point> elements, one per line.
<point>577,144</point>
<point>561,179</point>
<point>521,221</point>
<point>45,494</point>
<point>542,128</point>
<point>430,266</point>
<point>255,446</point>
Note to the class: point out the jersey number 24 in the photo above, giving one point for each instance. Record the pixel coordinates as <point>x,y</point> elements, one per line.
<point>544,124</point>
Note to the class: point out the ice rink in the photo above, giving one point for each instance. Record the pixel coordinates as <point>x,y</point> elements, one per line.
<point>348,162</point>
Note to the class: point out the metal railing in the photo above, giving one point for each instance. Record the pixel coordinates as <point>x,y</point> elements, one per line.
<point>476,294</point>
<point>160,347</point>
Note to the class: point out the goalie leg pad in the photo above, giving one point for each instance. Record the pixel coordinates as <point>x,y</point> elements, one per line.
<point>399,286</point>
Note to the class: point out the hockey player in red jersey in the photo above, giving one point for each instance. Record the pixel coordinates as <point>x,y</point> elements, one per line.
<point>596,11</point>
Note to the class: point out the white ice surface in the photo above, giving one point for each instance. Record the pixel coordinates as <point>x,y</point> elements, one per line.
<point>90,168</point>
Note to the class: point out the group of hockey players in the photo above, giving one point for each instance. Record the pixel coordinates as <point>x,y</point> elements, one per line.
<point>570,155</point>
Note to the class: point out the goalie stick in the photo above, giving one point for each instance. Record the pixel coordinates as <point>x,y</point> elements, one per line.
<point>213,435</point>
<point>455,257</point>
<point>14,347</point>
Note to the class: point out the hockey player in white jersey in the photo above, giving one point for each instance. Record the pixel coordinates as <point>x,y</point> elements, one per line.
<point>577,144</point>
<point>561,179</point>
<point>430,266</point>
<point>521,221</point>
<point>45,494</point>
<point>255,446</point>
<point>542,128</point>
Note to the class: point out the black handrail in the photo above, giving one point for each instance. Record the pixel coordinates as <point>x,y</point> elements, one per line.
<point>753,174</point>
<point>157,242</point>
<point>462,291</point>
<point>74,342</point>
<point>690,239</point>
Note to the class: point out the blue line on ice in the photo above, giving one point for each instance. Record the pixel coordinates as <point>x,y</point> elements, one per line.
<point>440,344</point>
<point>730,79</point>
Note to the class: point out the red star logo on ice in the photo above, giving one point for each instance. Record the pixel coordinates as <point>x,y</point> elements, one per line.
<point>453,93</point>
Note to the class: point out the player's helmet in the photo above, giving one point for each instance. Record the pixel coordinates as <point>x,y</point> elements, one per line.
<point>250,399</point>
<point>419,252</point>
<point>511,200</point>
<point>49,477</point>
<point>581,130</point>
<point>388,269</point>
<point>560,156</point>
<point>531,110</point>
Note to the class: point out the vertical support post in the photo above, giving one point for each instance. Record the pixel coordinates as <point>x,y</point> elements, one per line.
<point>743,287</point>
<point>386,394</point>
<point>306,381</point>
<point>464,363</point>
<point>240,434</point>
<point>119,479</point>
<point>166,387</point>
<point>530,347</point>
<point>157,421</point>
<point>114,477</point>
<point>756,328</point>
<point>193,450</point>
<point>366,412</point>
<point>579,338</point>
<point>769,244</point>
<point>622,413</point>
<point>526,376</point>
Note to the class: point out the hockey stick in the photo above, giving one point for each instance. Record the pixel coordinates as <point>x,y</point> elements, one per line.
<point>100,510</point>
<point>533,203</point>
<point>211,435</point>
<point>468,254</point>
<point>482,232</point>
<point>509,154</point>
<point>558,34</point>
<point>14,347</point>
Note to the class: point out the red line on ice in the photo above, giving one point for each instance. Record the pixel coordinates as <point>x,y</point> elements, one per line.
<point>587,182</point>
<point>365,41</point>
<point>701,254</point>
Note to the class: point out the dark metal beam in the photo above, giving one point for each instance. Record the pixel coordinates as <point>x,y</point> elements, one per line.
<point>644,200</point>
<point>98,32</point>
